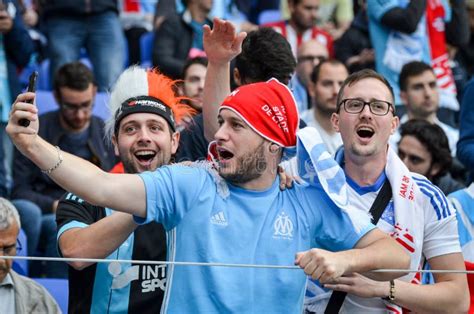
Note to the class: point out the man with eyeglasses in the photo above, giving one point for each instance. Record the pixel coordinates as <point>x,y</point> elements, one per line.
<point>18,294</point>
<point>73,128</point>
<point>416,213</point>
<point>308,55</point>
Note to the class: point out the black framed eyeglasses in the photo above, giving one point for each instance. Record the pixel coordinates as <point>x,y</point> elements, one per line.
<point>10,250</point>
<point>310,58</point>
<point>73,108</point>
<point>355,105</point>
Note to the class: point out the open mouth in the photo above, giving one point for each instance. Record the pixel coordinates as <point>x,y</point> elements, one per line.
<point>224,154</point>
<point>365,132</point>
<point>145,156</point>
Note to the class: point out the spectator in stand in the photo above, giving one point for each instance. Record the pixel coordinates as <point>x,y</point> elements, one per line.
<point>302,25</point>
<point>74,129</point>
<point>420,95</point>
<point>145,138</point>
<point>137,18</point>
<point>264,54</point>
<point>309,55</point>
<point>326,80</point>
<point>71,25</point>
<point>354,48</point>
<point>465,146</point>
<point>335,16</point>
<point>404,31</point>
<point>16,48</point>
<point>194,76</point>
<point>180,37</point>
<point>424,148</point>
<point>18,294</point>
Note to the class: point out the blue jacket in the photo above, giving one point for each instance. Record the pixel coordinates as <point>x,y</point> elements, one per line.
<point>28,180</point>
<point>465,146</point>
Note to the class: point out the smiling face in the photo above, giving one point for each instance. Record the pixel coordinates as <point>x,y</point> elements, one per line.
<point>365,134</point>
<point>144,142</point>
<point>243,155</point>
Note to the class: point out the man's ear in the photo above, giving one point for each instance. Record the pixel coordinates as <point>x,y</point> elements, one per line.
<point>435,169</point>
<point>395,123</point>
<point>174,142</point>
<point>404,98</point>
<point>115,143</point>
<point>335,121</point>
<point>274,148</point>
<point>237,79</point>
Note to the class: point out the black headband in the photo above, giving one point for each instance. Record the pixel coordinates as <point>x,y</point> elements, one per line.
<point>144,104</point>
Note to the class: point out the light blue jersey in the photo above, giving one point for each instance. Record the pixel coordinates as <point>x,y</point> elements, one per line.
<point>248,227</point>
<point>394,49</point>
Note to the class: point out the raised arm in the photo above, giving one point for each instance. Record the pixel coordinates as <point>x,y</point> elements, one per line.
<point>221,44</point>
<point>123,192</point>
<point>375,250</point>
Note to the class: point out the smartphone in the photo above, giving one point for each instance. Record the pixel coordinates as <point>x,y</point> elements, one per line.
<point>31,88</point>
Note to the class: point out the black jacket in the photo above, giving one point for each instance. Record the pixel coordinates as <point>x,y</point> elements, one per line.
<point>172,42</point>
<point>31,184</point>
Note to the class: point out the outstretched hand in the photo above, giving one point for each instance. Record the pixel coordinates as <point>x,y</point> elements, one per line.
<point>322,265</point>
<point>222,43</point>
<point>23,137</point>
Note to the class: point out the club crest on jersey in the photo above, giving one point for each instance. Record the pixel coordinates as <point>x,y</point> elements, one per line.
<point>283,227</point>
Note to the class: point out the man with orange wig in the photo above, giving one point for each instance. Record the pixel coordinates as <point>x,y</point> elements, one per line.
<point>142,129</point>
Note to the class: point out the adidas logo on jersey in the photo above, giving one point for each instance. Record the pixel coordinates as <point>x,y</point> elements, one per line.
<point>219,219</point>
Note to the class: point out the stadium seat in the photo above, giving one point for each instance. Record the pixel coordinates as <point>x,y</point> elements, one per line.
<point>21,266</point>
<point>146,49</point>
<point>46,102</point>
<point>269,16</point>
<point>59,290</point>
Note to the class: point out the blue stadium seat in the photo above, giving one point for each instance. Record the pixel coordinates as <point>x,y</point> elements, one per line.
<point>46,102</point>
<point>146,49</point>
<point>58,288</point>
<point>21,266</point>
<point>269,16</point>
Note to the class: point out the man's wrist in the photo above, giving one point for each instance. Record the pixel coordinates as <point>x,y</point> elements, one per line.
<point>389,291</point>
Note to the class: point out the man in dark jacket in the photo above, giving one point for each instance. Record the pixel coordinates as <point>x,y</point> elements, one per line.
<point>73,128</point>
<point>180,37</point>
<point>94,25</point>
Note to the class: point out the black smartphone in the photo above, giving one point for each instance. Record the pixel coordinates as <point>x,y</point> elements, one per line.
<point>31,88</point>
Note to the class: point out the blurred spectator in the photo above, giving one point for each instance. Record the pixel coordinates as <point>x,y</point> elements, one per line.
<point>94,25</point>
<point>137,18</point>
<point>302,25</point>
<point>265,54</point>
<point>424,149</point>
<point>326,80</point>
<point>354,48</point>
<point>465,54</point>
<point>420,95</point>
<point>75,130</point>
<point>180,37</point>
<point>16,48</point>
<point>404,31</point>
<point>18,294</point>
<point>465,146</point>
<point>194,76</point>
<point>335,16</point>
<point>309,55</point>
<point>163,9</point>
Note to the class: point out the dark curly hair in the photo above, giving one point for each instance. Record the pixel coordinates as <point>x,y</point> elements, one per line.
<point>434,139</point>
<point>265,54</point>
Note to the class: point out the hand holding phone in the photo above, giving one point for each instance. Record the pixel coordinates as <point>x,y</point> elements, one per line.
<point>32,89</point>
